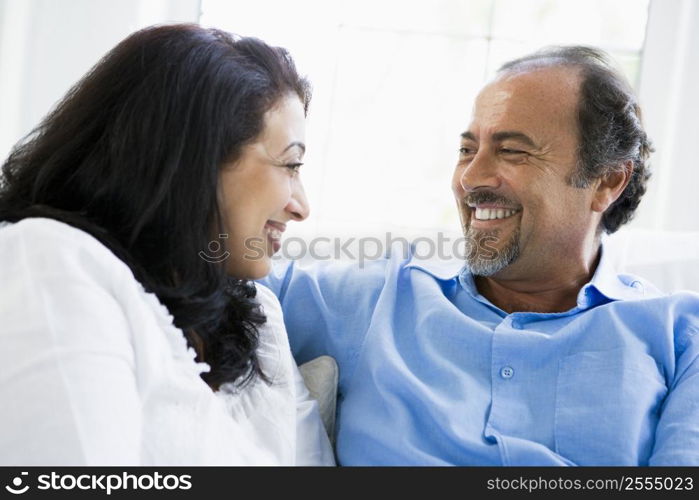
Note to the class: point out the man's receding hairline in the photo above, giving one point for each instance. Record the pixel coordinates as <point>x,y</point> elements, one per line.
<point>577,74</point>
<point>576,69</point>
<point>543,62</point>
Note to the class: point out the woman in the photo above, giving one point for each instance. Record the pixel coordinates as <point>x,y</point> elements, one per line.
<point>132,219</point>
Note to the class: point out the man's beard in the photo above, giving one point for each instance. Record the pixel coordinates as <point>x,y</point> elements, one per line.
<point>483,258</point>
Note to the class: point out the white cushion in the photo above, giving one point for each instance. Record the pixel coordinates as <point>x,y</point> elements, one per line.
<point>320,376</point>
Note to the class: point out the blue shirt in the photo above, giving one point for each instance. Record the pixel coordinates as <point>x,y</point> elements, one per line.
<point>432,373</point>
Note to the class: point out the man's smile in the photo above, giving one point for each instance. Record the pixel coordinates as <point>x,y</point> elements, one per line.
<point>490,214</point>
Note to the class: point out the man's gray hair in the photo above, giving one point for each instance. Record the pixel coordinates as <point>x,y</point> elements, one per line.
<point>609,121</point>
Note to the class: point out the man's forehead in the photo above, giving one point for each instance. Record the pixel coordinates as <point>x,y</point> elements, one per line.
<point>537,97</point>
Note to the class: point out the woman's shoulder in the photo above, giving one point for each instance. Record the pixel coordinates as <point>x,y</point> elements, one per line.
<point>58,240</point>
<point>66,265</point>
<point>48,243</point>
<point>45,229</point>
<point>61,260</point>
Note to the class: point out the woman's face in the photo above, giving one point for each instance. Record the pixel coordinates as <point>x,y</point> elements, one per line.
<point>262,191</point>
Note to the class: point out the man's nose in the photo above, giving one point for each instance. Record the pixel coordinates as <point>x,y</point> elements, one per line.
<point>480,172</point>
<point>298,206</point>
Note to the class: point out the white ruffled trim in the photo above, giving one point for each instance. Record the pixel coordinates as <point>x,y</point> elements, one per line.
<point>175,335</point>
<point>256,399</point>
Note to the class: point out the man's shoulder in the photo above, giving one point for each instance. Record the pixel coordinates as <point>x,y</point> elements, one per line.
<point>685,306</point>
<point>364,273</point>
<point>439,269</point>
<point>680,300</point>
<point>643,288</point>
<point>678,311</point>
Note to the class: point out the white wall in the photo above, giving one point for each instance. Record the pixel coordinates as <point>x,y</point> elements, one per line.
<point>47,45</point>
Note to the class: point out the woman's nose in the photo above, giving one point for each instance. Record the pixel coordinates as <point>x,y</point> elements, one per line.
<point>298,206</point>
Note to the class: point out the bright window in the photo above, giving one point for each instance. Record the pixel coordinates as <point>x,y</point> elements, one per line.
<point>394,82</point>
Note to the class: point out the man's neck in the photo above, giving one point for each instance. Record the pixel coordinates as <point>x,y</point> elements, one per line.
<point>556,292</point>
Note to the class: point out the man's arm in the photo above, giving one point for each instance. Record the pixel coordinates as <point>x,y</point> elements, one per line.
<point>327,307</point>
<point>677,433</point>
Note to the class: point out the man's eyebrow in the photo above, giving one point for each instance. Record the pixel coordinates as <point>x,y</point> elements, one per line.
<point>295,143</point>
<point>502,136</point>
<point>517,136</point>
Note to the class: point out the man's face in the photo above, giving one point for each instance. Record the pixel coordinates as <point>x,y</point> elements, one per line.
<point>518,211</point>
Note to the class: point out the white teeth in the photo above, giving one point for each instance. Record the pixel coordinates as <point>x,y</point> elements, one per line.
<point>494,213</point>
<point>275,234</point>
<point>482,213</point>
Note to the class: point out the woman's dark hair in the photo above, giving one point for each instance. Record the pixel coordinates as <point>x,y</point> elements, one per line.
<point>132,156</point>
<point>609,121</point>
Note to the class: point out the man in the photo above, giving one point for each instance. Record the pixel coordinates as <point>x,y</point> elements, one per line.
<point>536,352</point>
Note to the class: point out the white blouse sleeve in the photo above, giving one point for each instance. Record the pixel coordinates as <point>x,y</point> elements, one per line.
<point>311,441</point>
<point>67,380</point>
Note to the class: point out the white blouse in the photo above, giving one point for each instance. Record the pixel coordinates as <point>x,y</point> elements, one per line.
<point>93,371</point>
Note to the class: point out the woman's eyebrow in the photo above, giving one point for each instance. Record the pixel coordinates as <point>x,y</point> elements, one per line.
<point>295,143</point>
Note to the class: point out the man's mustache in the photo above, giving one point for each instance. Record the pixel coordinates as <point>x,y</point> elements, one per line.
<point>479,197</point>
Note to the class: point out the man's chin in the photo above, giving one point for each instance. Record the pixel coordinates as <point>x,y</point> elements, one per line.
<point>485,252</point>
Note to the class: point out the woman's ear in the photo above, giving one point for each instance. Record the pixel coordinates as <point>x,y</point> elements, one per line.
<point>611,186</point>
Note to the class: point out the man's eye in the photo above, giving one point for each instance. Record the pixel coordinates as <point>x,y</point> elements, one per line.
<point>466,150</point>
<point>294,167</point>
<point>508,151</point>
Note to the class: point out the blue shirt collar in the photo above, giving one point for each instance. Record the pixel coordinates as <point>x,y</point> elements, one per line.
<point>606,284</point>
<point>612,285</point>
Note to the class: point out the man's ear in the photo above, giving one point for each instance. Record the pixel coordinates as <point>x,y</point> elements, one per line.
<point>611,186</point>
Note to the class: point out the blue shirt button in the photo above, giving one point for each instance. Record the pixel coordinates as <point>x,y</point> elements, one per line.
<point>507,372</point>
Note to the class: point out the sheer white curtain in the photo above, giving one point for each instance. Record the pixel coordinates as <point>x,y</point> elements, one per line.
<point>47,45</point>
<point>394,82</point>
<point>668,94</point>
<point>393,87</point>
